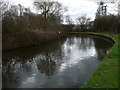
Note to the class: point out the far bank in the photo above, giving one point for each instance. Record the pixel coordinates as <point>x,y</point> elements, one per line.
<point>28,38</point>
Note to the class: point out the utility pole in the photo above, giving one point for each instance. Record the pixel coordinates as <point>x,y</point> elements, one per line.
<point>102,9</point>
<point>119,8</point>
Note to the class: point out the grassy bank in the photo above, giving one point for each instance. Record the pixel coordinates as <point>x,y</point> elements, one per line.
<point>28,38</point>
<point>106,75</point>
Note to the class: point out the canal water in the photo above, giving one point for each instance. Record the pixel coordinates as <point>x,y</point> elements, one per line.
<point>64,63</point>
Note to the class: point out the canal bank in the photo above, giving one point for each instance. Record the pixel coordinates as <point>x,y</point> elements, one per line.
<point>30,38</point>
<point>106,75</point>
<point>103,36</point>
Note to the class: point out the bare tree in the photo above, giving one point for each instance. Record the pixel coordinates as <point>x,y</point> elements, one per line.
<point>83,22</point>
<point>3,8</point>
<point>69,20</point>
<point>50,9</point>
<point>17,18</point>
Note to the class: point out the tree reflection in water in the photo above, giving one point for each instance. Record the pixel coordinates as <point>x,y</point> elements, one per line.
<point>102,46</point>
<point>25,66</point>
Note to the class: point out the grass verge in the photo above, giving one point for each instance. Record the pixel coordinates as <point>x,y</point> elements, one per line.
<point>106,75</point>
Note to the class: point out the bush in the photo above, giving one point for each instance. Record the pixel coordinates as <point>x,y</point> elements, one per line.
<point>106,24</point>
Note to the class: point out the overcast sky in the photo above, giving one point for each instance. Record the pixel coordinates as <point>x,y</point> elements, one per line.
<point>75,7</point>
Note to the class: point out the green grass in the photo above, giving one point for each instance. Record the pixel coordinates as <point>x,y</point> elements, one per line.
<point>106,75</point>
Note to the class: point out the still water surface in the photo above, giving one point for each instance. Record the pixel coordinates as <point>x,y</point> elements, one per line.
<point>65,63</point>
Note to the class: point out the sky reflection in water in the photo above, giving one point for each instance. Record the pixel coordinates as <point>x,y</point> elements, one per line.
<point>63,63</point>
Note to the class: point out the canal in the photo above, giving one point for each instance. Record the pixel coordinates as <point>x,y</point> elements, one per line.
<point>63,63</point>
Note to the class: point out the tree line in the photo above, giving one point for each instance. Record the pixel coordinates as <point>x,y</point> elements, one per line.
<point>18,18</point>
<point>107,23</point>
